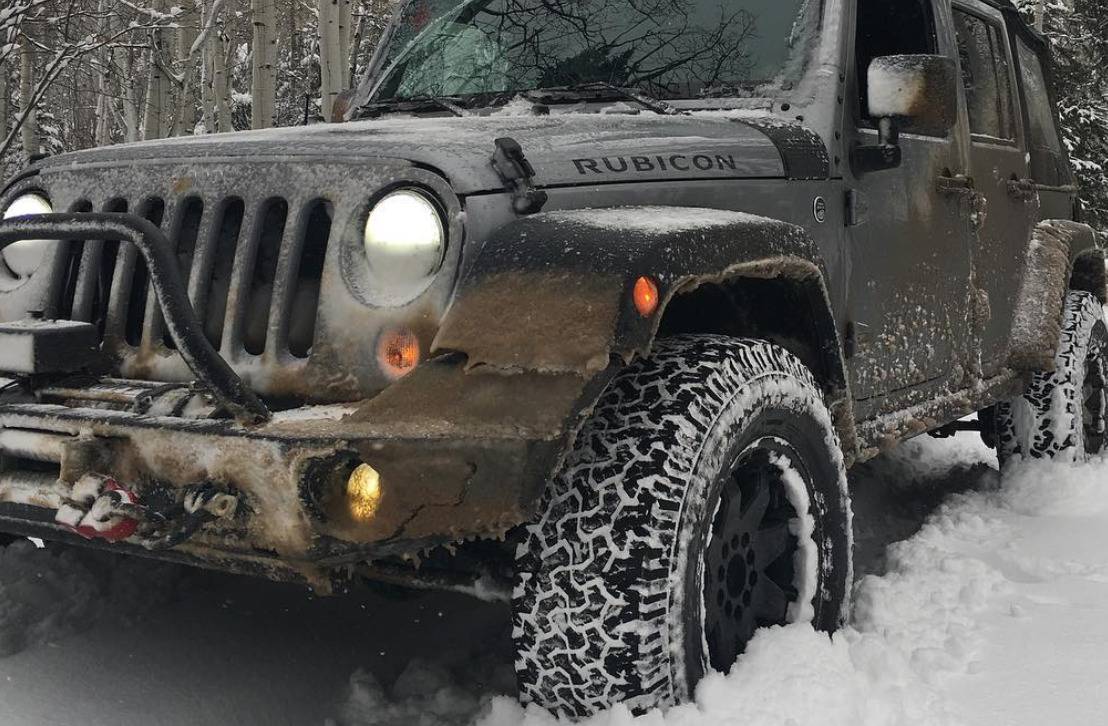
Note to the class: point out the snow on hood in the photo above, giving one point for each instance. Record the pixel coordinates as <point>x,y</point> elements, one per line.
<point>574,148</point>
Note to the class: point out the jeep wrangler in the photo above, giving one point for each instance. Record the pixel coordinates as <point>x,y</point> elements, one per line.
<point>589,304</point>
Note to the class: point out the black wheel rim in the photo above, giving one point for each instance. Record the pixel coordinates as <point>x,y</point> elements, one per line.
<point>749,566</point>
<point>1094,409</point>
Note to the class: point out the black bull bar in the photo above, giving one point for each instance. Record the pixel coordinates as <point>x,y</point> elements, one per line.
<point>181,321</point>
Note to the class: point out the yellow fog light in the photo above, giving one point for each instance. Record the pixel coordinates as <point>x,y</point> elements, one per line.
<point>363,492</point>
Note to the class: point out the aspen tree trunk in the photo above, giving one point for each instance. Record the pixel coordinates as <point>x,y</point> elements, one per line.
<point>131,122</point>
<point>155,121</point>
<point>354,48</point>
<point>221,83</point>
<point>104,91</point>
<point>346,32</point>
<point>264,79</point>
<point>29,130</point>
<point>209,45</point>
<point>207,66</point>
<point>184,114</point>
<point>332,54</point>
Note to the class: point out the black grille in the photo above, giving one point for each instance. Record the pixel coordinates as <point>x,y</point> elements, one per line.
<point>253,272</point>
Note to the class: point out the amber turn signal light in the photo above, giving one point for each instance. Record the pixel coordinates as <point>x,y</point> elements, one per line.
<point>398,352</point>
<point>645,296</point>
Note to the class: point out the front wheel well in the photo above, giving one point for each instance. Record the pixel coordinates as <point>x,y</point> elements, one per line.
<point>788,312</point>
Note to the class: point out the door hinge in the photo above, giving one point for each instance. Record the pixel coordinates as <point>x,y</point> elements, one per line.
<point>856,207</point>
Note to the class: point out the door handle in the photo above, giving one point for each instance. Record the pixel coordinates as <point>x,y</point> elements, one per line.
<point>954,184</point>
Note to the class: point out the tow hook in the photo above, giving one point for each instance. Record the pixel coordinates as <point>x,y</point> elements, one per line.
<point>99,507</point>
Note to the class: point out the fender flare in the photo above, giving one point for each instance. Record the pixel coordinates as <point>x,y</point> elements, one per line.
<point>1062,256</point>
<point>552,292</point>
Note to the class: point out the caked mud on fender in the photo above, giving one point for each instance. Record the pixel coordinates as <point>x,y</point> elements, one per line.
<point>551,292</point>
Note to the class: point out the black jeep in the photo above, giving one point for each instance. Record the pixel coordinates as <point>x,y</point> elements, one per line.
<point>589,303</point>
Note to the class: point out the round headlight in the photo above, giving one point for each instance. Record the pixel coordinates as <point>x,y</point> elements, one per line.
<point>404,244</point>
<point>26,256</point>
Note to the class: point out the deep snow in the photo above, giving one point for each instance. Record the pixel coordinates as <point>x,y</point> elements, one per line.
<point>994,611</point>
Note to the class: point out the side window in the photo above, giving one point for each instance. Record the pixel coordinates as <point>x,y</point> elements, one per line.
<point>891,27</point>
<point>987,77</point>
<point>1048,160</point>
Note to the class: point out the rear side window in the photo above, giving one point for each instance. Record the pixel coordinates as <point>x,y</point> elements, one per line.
<point>987,77</point>
<point>1048,159</point>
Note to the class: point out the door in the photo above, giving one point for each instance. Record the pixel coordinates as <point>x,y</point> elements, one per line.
<point>910,237</point>
<point>999,168</point>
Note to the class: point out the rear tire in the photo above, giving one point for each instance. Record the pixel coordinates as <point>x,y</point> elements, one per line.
<point>1063,414</point>
<point>705,497</point>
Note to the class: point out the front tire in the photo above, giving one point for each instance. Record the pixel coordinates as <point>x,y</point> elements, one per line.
<point>1063,415</point>
<point>705,497</point>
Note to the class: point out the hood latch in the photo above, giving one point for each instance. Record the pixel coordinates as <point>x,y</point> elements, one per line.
<point>517,173</point>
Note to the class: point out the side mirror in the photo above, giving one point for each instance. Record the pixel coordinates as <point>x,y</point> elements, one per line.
<point>908,92</point>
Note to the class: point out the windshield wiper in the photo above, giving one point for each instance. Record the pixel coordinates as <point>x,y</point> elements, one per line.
<point>413,104</point>
<point>581,91</point>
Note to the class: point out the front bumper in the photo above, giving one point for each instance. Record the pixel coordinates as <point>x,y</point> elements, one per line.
<point>459,460</point>
<point>288,476</point>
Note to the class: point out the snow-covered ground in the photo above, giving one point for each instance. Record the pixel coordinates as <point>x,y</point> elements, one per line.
<point>977,603</point>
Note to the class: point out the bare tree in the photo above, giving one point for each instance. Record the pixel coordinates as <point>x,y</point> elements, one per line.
<point>334,39</point>
<point>264,76</point>
<point>184,114</point>
<point>155,120</point>
<point>105,90</point>
<point>221,81</point>
<point>27,99</point>
<point>5,94</point>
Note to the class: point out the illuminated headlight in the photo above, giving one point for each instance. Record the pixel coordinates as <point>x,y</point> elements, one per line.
<point>404,245</point>
<point>26,256</point>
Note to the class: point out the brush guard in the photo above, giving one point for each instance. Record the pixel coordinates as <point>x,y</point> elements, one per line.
<point>181,321</point>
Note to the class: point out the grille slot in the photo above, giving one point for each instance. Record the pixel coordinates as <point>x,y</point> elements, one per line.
<point>138,288</point>
<point>90,301</point>
<point>213,271</point>
<point>72,257</point>
<point>187,232</point>
<point>306,274</point>
<point>266,253</point>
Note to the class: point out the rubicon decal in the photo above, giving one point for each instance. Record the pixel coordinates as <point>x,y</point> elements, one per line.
<point>663,162</point>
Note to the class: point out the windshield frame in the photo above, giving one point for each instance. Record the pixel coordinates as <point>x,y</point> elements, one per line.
<point>377,69</point>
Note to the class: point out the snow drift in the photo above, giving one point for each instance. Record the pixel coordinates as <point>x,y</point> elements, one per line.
<point>976,602</point>
<point>918,633</point>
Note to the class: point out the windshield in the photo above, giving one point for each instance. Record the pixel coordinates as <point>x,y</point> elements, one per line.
<point>670,49</point>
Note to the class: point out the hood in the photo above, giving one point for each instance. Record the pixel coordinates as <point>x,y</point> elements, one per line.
<point>564,149</point>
